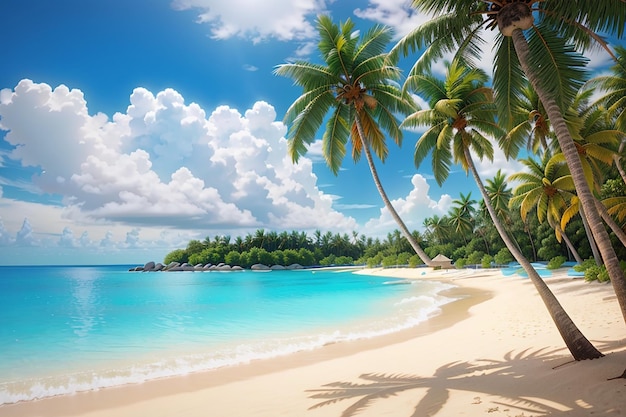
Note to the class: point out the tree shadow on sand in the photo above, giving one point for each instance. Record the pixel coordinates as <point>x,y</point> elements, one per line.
<point>509,379</point>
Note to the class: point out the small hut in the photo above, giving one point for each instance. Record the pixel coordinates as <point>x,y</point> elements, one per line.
<point>442,262</point>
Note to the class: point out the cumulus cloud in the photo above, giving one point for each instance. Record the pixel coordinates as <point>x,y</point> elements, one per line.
<point>25,236</point>
<point>5,238</point>
<point>163,164</point>
<point>397,14</point>
<point>413,209</point>
<point>285,20</point>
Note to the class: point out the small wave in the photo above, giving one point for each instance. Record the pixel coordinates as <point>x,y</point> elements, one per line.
<point>398,282</point>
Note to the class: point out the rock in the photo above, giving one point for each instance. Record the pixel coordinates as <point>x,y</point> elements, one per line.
<point>236,268</point>
<point>295,266</point>
<point>171,265</point>
<point>149,266</point>
<point>277,267</point>
<point>260,267</point>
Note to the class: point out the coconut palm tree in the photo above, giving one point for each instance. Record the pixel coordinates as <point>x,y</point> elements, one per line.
<point>462,112</point>
<point>547,53</point>
<point>613,98</point>
<point>437,227</point>
<point>462,215</point>
<point>545,187</point>
<point>358,86</point>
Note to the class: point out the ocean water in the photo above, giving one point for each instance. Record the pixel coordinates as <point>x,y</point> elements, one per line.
<point>65,329</point>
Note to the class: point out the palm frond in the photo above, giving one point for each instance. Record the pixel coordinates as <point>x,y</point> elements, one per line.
<point>335,138</point>
<point>560,68</point>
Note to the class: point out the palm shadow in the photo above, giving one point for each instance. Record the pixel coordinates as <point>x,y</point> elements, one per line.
<point>510,378</point>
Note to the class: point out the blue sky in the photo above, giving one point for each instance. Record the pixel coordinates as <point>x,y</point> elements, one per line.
<point>128,128</point>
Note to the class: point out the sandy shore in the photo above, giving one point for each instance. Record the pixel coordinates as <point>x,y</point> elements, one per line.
<point>495,352</point>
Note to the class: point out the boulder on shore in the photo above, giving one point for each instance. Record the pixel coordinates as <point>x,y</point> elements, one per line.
<point>260,267</point>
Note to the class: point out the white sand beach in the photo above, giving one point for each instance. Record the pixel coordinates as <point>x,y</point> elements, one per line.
<point>495,352</point>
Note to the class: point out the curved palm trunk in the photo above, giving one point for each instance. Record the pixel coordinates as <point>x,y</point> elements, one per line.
<point>568,242</point>
<point>572,158</point>
<point>618,160</point>
<point>611,223</point>
<point>405,231</point>
<point>592,241</point>
<point>579,346</point>
<point>532,241</point>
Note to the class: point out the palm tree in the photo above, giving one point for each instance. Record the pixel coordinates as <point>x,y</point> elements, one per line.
<point>359,84</point>
<point>614,98</point>
<point>462,112</point>
<point>462,215</point>
<point>438,227</point>
<point>549,58</point>
<point>500,195</point>
<point>547,188</point>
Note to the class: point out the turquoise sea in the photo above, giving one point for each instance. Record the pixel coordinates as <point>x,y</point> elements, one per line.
<point>66,329</point>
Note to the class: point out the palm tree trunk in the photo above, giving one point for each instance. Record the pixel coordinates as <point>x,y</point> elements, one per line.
<point>579,346</point>
<point>572,158</point>
<point>569,244</point>
<point>618,160</point>
<point>532,241</point>
<point>405,231</point>
<point>592,241</point>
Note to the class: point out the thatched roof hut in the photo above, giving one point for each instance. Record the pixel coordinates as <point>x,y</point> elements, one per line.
<point>442,261</point>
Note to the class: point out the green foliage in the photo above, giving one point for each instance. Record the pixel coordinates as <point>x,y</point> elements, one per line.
<point>587,263</point>
<point>233,258</point>
<point>556,262</point>
<point>390,260</point>
<point>306,257</point>
<point>177,255</point>
<point>503,257</point>
<point>593,272</point>
<point>414,261</point>
<point>403,258</point>
<point>460,263</point>
<point>344,260</point>
<point>486,260</point>
<point>475,257</point>
<point>603,276</point>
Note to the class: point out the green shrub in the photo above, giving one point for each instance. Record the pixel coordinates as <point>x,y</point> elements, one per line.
<point>391,260</point>
<point>460,263</point>
<point>556,262</point>
<point>415,260</point>
<point>475,257</point>
<point>592,273</point>
<point>486,260</point>
<point>603,276</point>
<point>503,257</point>
<point>586,264</point>
<point>344,260</point>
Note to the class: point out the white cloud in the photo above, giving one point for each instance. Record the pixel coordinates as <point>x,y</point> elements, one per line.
<point>24,236</point>
<point>161,165</point>
<point>250,68</point>
<point>284,20</point>
<point>413,209</point>
<point>397,14</point>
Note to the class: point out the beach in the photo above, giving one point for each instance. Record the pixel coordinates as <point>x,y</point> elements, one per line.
<point>493,352</point>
